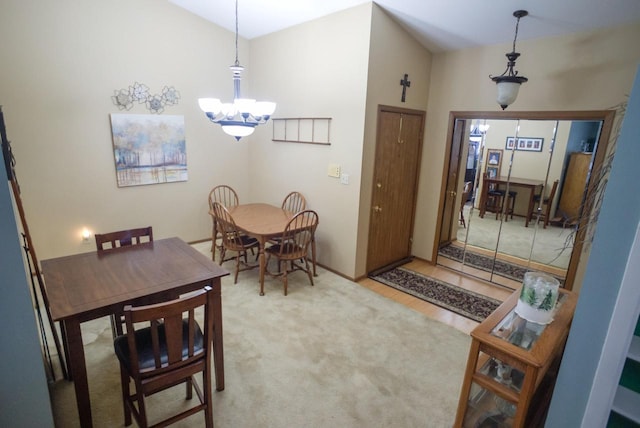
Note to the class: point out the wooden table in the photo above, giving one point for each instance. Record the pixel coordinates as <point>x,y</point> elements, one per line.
<point>264,222</point>
<point>86,286</point>
<point>512,181</point>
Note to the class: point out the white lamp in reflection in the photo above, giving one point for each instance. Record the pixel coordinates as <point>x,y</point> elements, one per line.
<point>509,82</point>
<point>239,118</point>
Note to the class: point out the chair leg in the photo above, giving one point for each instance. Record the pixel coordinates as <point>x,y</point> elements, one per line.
<point>235,280</point>
<point>306,263</point>
<point>285,280</point>
<point>189,386</point>
<point>124,380</point>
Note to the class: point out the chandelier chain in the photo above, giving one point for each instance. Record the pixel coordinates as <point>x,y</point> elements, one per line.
<point>237,62</point>
<point>514,38</point>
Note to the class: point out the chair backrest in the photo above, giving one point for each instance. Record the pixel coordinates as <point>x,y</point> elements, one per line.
<point>298,234</point>
<point>231,236</point>
<point>174,342</point>
<point>294,202</point>
<point>549,201</point>
<point>223,194</point>
<point>123,238</point>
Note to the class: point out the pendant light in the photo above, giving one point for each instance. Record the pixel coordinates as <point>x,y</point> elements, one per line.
<point>508,83</point>
<point>240,117</point>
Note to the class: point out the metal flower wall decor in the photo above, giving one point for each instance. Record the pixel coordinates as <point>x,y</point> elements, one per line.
<point>139,92</point>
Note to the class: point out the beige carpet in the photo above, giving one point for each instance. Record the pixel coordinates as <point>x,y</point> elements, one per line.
<point>332,355</point>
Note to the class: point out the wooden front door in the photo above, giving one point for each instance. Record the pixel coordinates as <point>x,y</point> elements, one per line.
<point>395,183</point>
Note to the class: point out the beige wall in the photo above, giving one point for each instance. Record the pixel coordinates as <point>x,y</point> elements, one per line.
<point>62,61</point>
<point>393,53</point>
<point>586,71</point>
<point>318,69</point>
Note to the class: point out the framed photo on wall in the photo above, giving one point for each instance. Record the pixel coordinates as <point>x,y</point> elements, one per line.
<point>527,144</point>
<point>494,161</point>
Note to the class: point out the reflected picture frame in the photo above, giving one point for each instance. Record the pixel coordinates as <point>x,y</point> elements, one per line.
<point>527,144</point>
<point>494,161</point>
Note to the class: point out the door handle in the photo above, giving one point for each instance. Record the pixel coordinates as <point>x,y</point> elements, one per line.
<point>377,208</point>
<point>452,193</point>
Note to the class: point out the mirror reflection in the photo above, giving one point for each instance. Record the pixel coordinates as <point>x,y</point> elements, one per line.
<point>516,190</point>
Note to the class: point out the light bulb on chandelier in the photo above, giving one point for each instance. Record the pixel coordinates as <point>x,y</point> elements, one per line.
<point>240,118</point>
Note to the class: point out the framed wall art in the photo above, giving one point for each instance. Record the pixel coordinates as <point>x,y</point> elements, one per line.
<point>527,144</point>
<point>494,162</point>
<point>148,149</point>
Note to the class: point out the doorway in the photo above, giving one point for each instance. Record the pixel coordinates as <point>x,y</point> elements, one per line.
<point>526,156</point>
<point>397,159</point>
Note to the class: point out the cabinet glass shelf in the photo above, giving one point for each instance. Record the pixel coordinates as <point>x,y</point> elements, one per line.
<point>520,332</point>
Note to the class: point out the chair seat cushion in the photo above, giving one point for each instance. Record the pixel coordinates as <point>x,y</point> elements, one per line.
<point>285,249</point>
<point>145,348</point>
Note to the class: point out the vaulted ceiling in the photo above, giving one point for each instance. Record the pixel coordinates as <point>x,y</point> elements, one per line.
<point>439,25</point>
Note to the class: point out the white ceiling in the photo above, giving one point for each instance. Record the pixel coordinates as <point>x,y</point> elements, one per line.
<point>440,25</point>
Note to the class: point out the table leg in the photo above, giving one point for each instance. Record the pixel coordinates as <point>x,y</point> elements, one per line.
<point>78,370</point>
<point>262,265</point>
<point>528,215</point>
<point>218,352</point>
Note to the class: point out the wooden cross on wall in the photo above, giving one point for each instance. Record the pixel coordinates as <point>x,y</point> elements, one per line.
<point>405,84</point>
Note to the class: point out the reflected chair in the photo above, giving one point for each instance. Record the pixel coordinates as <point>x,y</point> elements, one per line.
<point>228,197</point>
<point>294,202</point>
<point>122,238</point>
<point>465,196</point>
<point>543,210</point>
<point>233,239</point>
<point>292,251</point>
<point>164,347</point>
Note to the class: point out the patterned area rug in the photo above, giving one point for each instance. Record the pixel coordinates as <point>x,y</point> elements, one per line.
<point>463,302</point>
<point>485,263</point>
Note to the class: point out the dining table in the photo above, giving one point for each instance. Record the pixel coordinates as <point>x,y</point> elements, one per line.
<point>264,222</point>
<point>527,183</point>
<point>86,286</point>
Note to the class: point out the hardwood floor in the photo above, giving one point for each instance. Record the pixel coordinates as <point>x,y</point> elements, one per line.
<point>432,311</point>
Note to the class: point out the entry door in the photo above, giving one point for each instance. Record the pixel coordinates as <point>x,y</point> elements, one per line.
<point>395,182</point>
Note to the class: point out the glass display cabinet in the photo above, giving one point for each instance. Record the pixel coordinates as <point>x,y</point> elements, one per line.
<point>512,367</point>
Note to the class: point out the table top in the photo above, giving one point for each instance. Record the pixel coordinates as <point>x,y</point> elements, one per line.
<point>93,284</point>
<point>260,219</point>
<point>515,180</point>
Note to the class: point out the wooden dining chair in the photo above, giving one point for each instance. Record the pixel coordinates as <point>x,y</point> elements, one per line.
<point>121,238</point>
<point>294,202</point>
<point>543,210</point>
<point>292,251</point>
<point>233,240</point>
<point>228,197</point>
<point>164,347</point>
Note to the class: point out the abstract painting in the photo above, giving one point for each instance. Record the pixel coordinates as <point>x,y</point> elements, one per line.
<point>148,149</point>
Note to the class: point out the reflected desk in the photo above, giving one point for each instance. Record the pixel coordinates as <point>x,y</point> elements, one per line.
<point>264,222</point>
<point>526,183</point>
<point>91,285</point>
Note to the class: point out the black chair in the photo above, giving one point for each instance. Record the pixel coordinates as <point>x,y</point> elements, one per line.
<point>164,347</point>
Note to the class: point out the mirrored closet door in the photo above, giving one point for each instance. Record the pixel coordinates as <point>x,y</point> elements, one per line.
<point>515,194</point>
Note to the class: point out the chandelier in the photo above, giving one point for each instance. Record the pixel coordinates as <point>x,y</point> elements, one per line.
<point>239,118</point>
<point>509,82</point>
